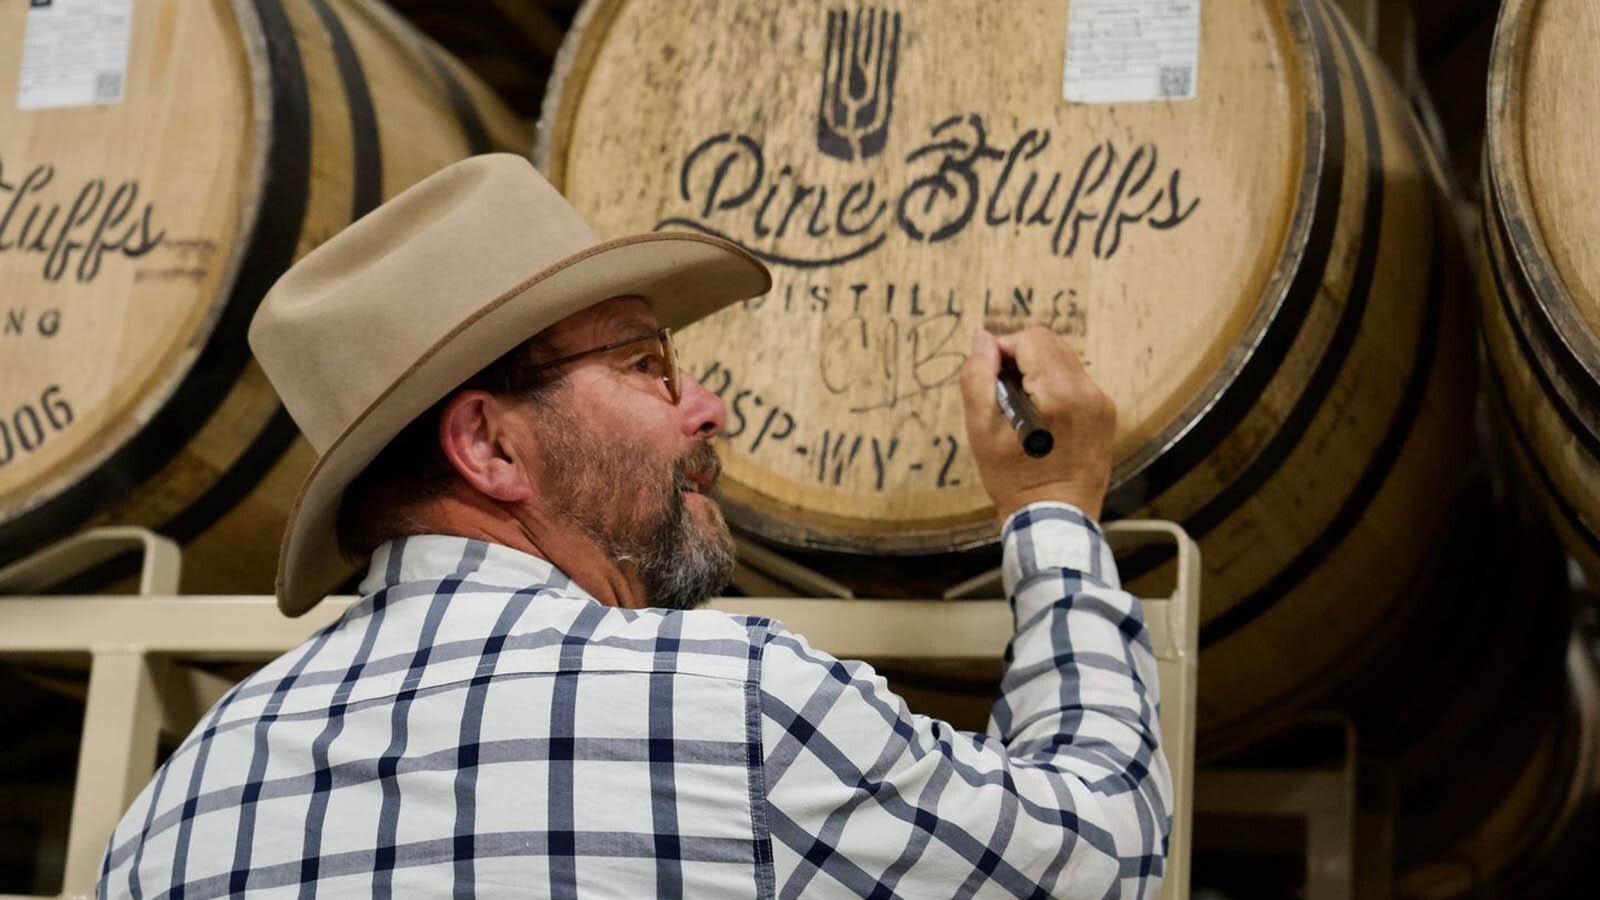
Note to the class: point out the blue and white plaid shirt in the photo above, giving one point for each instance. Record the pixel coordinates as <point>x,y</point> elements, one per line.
<point>478,725</point>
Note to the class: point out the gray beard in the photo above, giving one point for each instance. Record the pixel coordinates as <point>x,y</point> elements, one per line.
<point>633,516</point>
<point>681,567</point>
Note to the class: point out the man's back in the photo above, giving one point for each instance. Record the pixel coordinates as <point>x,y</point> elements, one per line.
<point>439,739</point>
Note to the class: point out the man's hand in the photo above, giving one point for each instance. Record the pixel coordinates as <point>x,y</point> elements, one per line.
<point>1079,415</point>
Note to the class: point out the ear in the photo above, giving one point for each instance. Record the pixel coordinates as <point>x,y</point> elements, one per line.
<point>489,444</point>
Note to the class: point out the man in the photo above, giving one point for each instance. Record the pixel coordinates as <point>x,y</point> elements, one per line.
<point>524,702</point>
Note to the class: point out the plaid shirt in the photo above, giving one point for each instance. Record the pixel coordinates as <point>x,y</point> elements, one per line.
<point>478,725</point>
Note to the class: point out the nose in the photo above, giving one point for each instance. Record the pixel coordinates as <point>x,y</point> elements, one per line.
<point>703,412</point>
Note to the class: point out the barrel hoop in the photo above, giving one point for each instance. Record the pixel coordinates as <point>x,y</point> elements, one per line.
<point>461,105</point>
<point>1575,367</point>
<point>1574,519</point>
<point>366,150</point>
<point>1240,396</point>
<point>1584,424</point>
<point>273,237</point>
<point>1313,398</point>
<point>1400,427</point>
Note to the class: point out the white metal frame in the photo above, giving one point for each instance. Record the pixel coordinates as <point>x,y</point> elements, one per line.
<point>140,683</point>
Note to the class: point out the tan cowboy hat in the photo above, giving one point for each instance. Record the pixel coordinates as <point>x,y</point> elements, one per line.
<point>373,327</point>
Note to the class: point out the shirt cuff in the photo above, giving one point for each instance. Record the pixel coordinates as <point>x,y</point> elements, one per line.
<point>1050,535</point>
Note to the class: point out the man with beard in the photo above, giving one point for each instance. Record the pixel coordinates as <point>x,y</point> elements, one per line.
<point>524,701</point>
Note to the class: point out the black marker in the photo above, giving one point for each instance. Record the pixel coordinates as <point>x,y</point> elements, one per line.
<point>1021,413</point>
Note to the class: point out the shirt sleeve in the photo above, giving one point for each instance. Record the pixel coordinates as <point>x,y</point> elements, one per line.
<point>1067,796</point>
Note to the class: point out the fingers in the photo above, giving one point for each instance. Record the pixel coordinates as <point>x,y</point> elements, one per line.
<point>978,376</point>
<point>1038,350</point>
<point>1078,413</point>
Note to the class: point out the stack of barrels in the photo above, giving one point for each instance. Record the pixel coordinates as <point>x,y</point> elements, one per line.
<point>1540,333</point>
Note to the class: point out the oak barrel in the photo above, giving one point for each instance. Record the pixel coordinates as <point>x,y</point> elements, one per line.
<point>1250,254</point>
<point>1541,304</point>
<point>157,172</point>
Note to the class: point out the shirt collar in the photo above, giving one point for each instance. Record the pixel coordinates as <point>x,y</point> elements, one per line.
<point>430,557</point>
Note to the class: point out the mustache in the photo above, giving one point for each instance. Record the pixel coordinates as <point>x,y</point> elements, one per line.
<point>702,459</point>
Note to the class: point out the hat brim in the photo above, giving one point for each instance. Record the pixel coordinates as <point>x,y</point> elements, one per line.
<point>684,277</point>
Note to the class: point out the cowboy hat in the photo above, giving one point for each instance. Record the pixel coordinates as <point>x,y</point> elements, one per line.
<point>376,325</point>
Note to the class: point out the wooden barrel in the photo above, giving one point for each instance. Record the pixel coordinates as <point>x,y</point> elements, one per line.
<point>1260,275</point>
<point>1541,306</point>
<point>157,172</point>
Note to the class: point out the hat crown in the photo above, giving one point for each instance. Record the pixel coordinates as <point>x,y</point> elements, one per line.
<point>346,321</point>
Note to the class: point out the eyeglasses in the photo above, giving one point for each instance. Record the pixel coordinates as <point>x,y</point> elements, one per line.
<point>664,353</point>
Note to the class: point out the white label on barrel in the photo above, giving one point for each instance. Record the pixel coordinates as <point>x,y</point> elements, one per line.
<point>1121,51</point>
<point>75,53</point>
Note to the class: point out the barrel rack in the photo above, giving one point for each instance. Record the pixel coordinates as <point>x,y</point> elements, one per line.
<point>143,682</point>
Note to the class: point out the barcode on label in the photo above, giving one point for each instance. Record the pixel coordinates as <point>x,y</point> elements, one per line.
<point>108,87</point>
<point>1175,82</point>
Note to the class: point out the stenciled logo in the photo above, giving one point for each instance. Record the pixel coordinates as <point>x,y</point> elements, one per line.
<point>958,177</point>
<point>101,219</point>
<point>858,69</point>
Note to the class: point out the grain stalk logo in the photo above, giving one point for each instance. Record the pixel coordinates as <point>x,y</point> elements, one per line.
<point>858,69</point>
